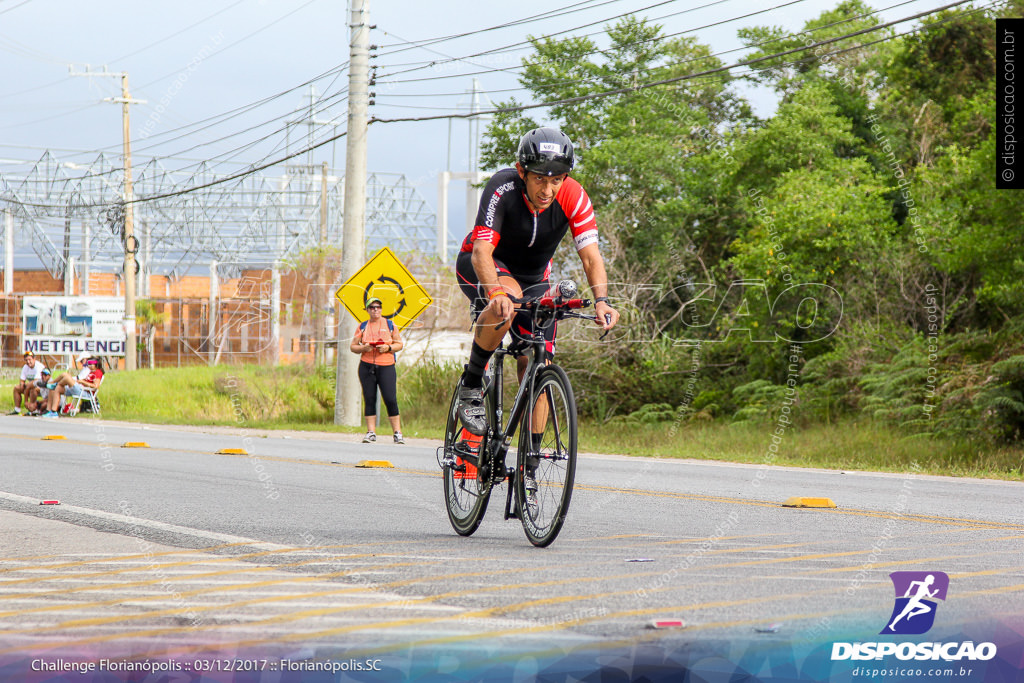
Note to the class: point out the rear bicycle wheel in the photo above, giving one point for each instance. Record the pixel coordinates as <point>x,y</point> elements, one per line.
<point>465,495</point>
<point>547,456</point>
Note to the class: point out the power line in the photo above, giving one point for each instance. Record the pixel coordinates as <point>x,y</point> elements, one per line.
<point>222,117</point>
<point>240,174</point>
<point>141,88</point>
<point>596,50</point>
<point>525,43</point>
<point>675,79</point>
<point>320,108</point>
<point>655,67</point>
<point>537,17</point>
<point>644,86</point>
<point>176,33</point>
<point>34,88</point>
<point>243,38</point>
<point>14,7</point>
<point>746,63</point>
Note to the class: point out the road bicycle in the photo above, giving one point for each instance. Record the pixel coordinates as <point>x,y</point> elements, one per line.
<point>543,412</point>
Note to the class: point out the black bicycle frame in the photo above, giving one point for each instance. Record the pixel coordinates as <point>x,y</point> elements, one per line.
<point>503,440</point>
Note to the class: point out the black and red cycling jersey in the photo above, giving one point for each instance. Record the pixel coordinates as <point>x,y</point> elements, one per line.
<point>523,239</point>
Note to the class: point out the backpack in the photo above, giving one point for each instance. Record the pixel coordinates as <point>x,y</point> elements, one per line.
<point>391,329</point>
<point>391,325</point>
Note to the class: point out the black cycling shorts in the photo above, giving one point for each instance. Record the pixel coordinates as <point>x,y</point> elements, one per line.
<point>522,321</point>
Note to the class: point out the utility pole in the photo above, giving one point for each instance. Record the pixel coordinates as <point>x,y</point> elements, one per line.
<point>131,243</point>
<point>321,299</point>
<point>346,392</point>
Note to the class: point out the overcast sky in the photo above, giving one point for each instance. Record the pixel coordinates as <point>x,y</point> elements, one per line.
<point>195,60</point>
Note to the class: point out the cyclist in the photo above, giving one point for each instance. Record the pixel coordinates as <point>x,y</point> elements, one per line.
<point>524,214</point>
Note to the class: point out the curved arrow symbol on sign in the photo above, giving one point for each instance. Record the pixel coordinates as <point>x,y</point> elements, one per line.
<point>384,279</point>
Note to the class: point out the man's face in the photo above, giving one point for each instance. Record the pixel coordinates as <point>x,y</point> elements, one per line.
<point>541,189</point>
<point>30,361</point>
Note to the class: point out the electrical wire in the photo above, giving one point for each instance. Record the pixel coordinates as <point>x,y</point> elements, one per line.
<point>597,51</point>
<point>513,46</point>
<point>516,46</point>
<point>176,33</point>
<point>125,56</point>
<point>550,14</point>
<point>675,79</point>
<point>663,66</point>
<point>320,108</point>
<point>240,174</point>
<point>747,64</point>
<point>217,119</point>
<point>231,45</point>
<point>14,7</point>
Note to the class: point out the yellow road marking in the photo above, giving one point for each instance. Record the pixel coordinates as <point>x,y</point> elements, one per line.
<point>498,610</point>
<point>927,519</point>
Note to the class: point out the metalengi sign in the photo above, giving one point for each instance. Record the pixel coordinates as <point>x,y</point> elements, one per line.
<point>73,325</point>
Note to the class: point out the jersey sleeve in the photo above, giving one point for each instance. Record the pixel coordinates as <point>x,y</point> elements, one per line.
<point>491,214</point>
<point>580,212</point>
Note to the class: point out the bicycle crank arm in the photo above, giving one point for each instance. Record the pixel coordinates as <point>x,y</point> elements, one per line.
<point>511,511</point>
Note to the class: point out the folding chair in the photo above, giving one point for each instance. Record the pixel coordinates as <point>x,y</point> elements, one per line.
<point>74,403</point>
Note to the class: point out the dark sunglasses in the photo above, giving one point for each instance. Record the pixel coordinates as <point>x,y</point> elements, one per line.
<point>370,308</point>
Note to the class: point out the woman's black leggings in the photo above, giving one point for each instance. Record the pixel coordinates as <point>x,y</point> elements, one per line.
<point>384,376</point>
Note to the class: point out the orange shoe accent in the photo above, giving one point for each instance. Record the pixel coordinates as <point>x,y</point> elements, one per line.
<point>474,442</point>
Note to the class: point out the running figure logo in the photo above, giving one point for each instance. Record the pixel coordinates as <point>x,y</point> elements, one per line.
<point>914,612</point>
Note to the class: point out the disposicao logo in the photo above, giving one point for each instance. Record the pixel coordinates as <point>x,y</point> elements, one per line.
<point>917,594</point>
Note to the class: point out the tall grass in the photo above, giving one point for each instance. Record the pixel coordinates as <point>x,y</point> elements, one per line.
<point>848,445</point>
<point>292,397</point>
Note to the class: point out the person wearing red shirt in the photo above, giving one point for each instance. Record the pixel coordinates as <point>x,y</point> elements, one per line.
<point>524,214</point>
<point>89,378</point>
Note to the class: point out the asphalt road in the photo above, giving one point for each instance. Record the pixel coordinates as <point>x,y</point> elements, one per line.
<point>174,547</point>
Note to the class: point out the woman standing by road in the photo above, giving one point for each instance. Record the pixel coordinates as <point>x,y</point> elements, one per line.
<point>376,340</point>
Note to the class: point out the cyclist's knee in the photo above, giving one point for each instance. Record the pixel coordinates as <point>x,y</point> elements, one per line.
<point>510,285</point>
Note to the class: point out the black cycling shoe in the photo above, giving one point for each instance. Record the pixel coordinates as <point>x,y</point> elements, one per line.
<point>471,410</point>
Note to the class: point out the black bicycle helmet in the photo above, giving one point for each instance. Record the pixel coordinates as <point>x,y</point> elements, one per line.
<point>547,151</point>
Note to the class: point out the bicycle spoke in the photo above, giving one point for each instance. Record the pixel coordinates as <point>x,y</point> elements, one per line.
<point>465,496</point>
<point>547,457</point>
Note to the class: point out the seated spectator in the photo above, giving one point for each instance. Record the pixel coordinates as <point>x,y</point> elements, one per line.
<point>35,402</point>
<point>89,378</point>
<point>29,374</point>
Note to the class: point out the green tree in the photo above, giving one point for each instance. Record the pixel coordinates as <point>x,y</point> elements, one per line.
<point>148,319</point>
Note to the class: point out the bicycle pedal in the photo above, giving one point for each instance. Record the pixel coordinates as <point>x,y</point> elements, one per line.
<point>466,448</point>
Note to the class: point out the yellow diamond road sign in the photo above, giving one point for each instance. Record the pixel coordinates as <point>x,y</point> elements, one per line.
<point>402,297</point>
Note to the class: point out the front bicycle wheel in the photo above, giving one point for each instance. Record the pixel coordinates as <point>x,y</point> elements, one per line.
<point>546,462</point>
<point>465,494</point>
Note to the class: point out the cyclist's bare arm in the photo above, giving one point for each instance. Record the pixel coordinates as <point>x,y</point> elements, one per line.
<point>593,266</point>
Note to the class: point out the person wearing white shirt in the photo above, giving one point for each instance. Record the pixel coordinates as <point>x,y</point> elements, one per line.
<point>25,389</point>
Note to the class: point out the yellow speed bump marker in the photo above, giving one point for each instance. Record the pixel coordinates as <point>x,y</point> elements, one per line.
<point>54,437</point>
<point>805,502</point>
<point>135,444</point>
<point>374,463</point>
<point>232,451</point>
